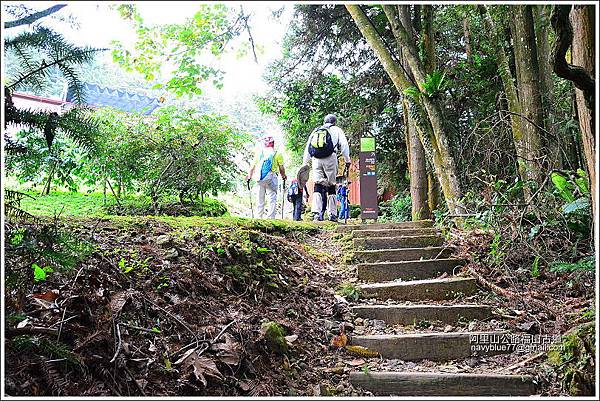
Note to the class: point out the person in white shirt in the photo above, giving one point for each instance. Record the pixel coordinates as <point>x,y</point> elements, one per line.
<point>322,148</point>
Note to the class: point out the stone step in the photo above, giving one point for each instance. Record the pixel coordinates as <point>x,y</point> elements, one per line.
<point>435,346</point>
<point>397,242</point>
<point>398,232</point>
<point>402,254</point>
<point>421,290</point>
<point>443,384</point>
<point>344,228</point>
<point>408,270</point>
<point>412,314</point>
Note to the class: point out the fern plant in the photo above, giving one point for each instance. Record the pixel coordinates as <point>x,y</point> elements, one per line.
<point>12,205</point>
<point>39,53</point>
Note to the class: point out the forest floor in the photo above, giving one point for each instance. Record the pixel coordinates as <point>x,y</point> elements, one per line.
<point>130,299</point>
<point>141,293</point>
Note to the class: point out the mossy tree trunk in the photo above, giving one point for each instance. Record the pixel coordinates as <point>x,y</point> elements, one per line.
<point>443,161</point>
<point>525,162</point>
<point>528,83</point>
<point>430,61</point>
<point>445,164</point>
<point>416,168</point>
<point>416,148</point>
<point>551,141</point>
<point>582,20</point>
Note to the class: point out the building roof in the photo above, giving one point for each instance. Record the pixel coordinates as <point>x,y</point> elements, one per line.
<point>98,96</point>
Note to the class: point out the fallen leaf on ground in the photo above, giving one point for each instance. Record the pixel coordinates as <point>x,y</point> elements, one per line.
<point>118,301</point>
<point>356,362</point>
<point>339,341</point>
<point>362,351</point>
<point>291,339</point>
<point>229,351</point>
<point>47,296</point>
<point>202,366</point>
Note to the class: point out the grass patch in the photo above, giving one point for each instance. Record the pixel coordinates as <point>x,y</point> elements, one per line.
<point>65,203</point>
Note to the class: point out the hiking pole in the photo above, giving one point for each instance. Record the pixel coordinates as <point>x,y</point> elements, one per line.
<point>282,198</point>
<point>250,196</point>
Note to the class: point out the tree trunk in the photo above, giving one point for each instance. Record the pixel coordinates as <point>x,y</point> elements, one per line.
<point>582,19</point>
<point>552,141</point>
<point>433,192</point>
<point>443,159</point>
<point>428,40</point>
<point>416,168</point>
<point>48,183</point>
<point>433,188</point>
<point>528,73</point>
<point>467,36</point>
<point>416,148</point>
<point>514,106</point>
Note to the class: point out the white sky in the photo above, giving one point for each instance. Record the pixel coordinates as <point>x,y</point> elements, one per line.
<point>99,25</point>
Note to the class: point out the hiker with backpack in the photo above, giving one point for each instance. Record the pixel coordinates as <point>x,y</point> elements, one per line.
<point>269,162</point>
<point>322,148</point>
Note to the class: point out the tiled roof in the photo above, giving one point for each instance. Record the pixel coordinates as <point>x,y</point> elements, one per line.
<point>98,96</point>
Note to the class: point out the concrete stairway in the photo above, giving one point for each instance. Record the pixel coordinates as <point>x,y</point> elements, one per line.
<point>401,262</point>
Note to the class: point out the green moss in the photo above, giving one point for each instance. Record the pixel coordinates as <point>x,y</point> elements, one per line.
<point>274,335</point>
<point>573,358</point>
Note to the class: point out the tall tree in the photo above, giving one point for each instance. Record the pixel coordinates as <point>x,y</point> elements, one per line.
<point>551,141</point>
<point>417,165</point>
<point>443,160</point>
<point>467,36</point>
<point>528,78</point>
<point>581,72</point>
<point>430,61</point>
<point>525,147</point>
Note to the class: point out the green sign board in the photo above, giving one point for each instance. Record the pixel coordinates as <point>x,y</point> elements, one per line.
<point>367,144</point>
<point>368,179</point>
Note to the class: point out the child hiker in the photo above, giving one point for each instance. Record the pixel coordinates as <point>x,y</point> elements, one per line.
<point>298,191</point>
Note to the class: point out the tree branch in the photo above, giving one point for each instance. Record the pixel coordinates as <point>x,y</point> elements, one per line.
<point>30,19</point>
<point>564,37</point>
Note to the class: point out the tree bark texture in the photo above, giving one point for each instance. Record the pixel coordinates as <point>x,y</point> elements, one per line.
<point>467,36</point>
<point>552,141</point>
<point>428,39</point>
<point>528,73</point>
<point>564,36</point>
<point>514,106</point>
<point>416,167</point>
<point>582,20</point>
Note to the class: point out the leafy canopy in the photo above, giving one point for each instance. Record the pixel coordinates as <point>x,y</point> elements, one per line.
<point>187,48</point>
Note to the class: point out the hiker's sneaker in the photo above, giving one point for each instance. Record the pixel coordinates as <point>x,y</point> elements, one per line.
<point>333,218</point>
<point>317,217</point>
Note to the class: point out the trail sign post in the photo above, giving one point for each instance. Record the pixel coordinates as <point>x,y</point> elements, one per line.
<point>368,179</point>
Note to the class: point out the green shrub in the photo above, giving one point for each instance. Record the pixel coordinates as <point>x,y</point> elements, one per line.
<point>399,208</point>
<point>143,207</point>
<point>349,291</point>
<point>586,264</point>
